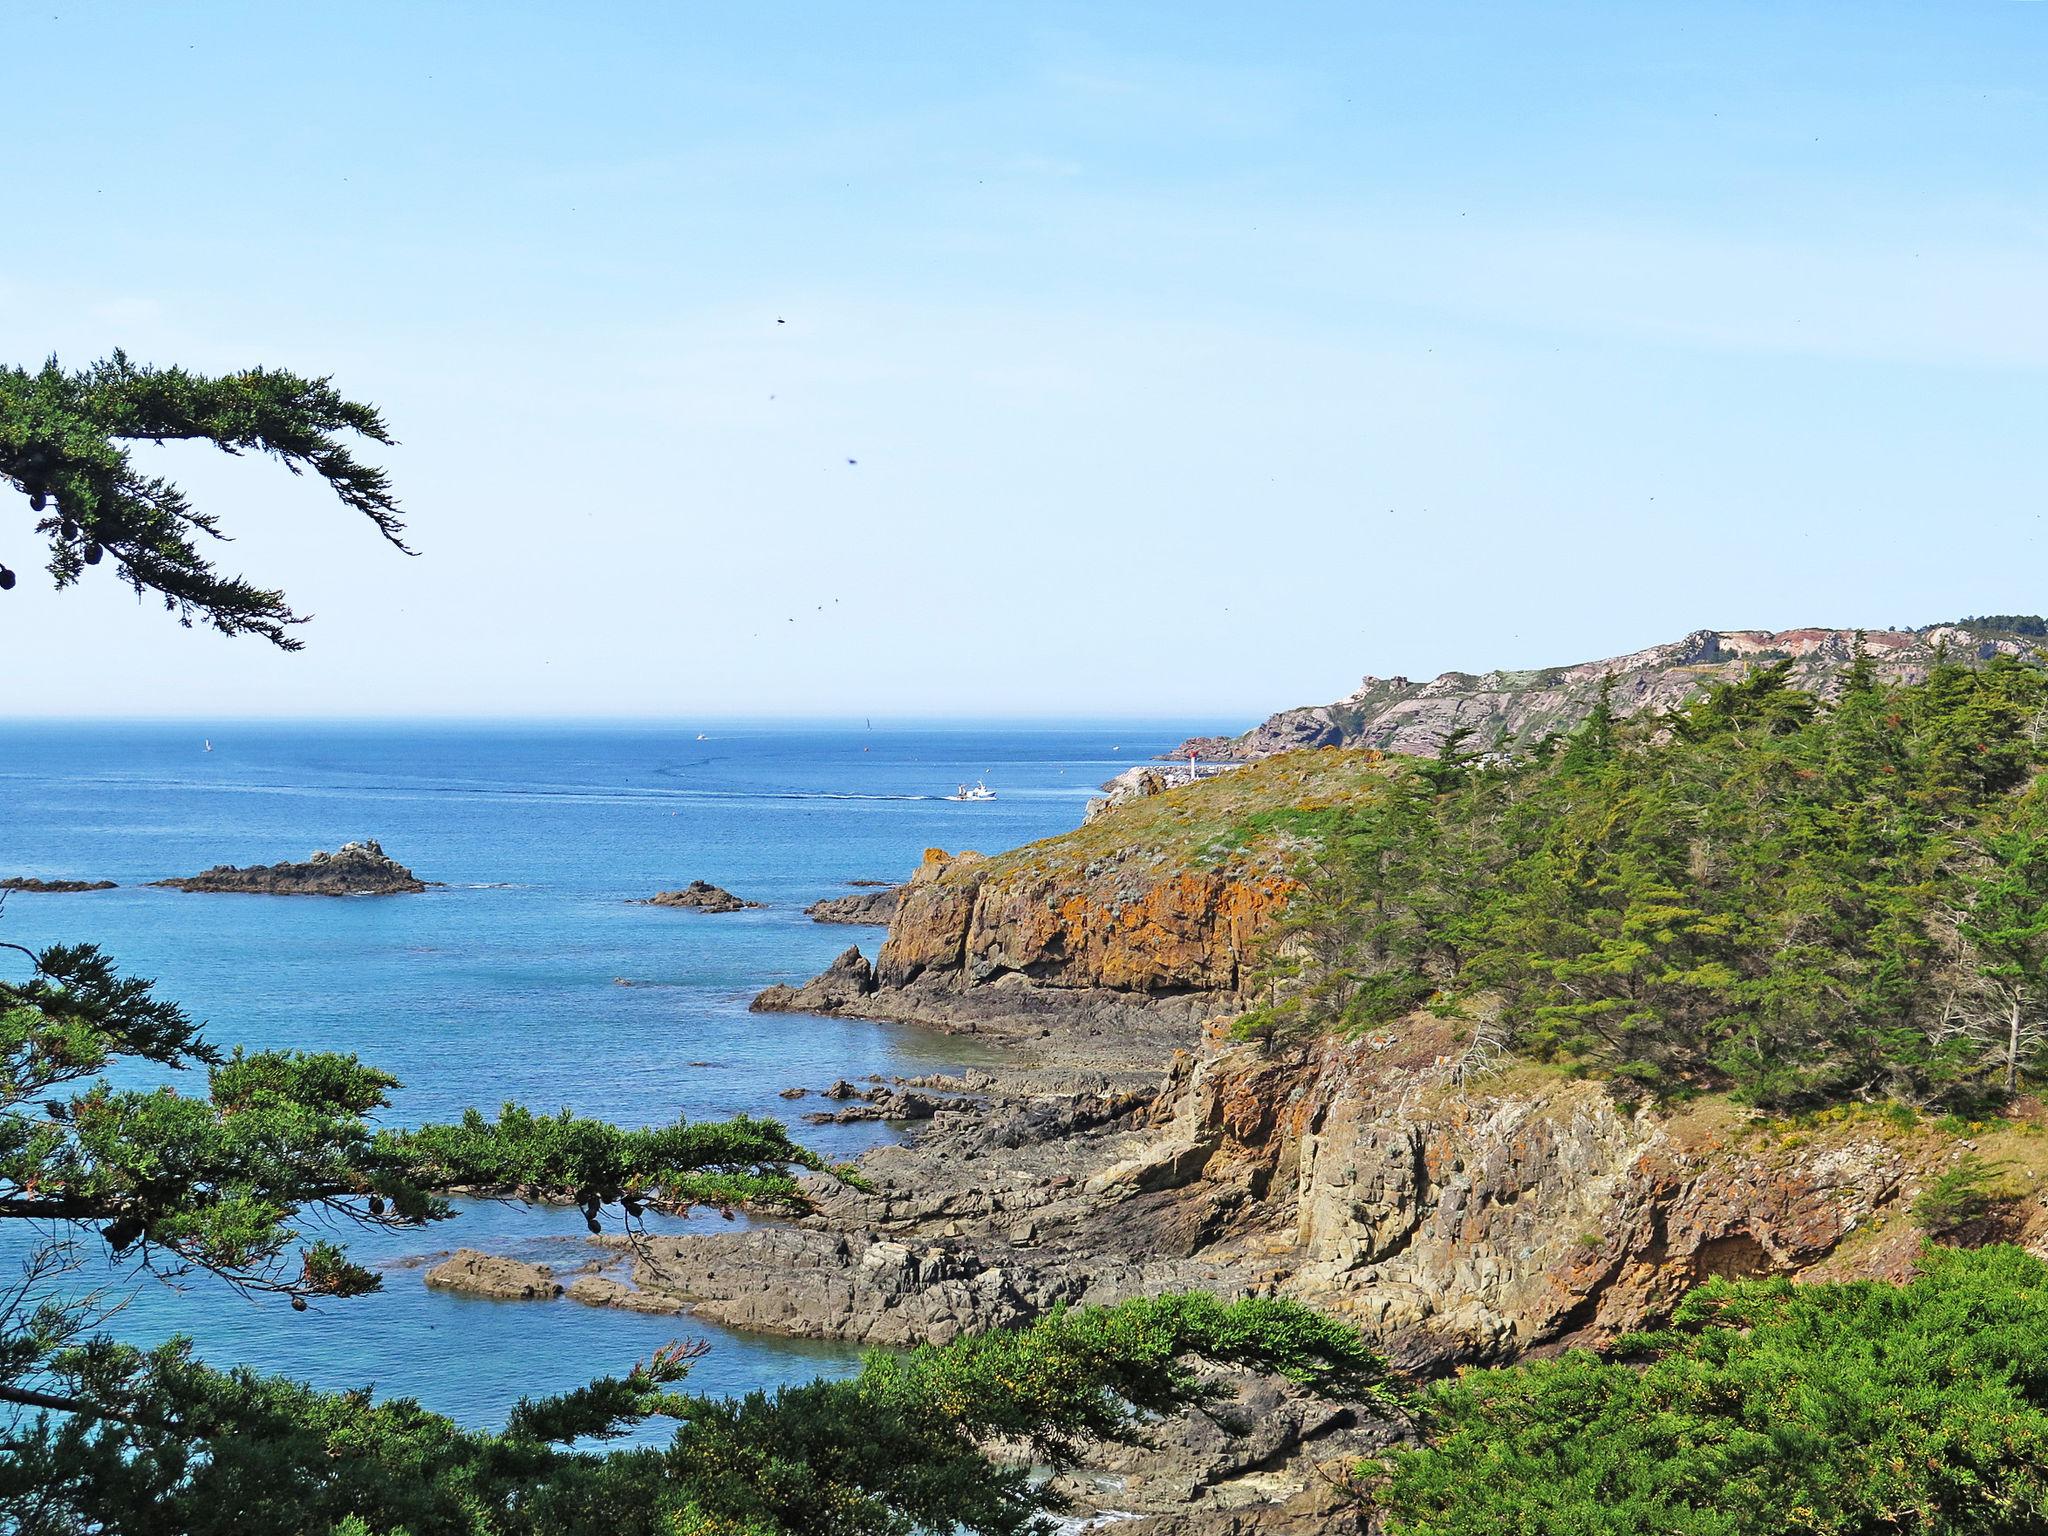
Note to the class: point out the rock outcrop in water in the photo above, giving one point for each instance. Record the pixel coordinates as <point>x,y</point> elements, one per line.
<point>54,887</point>
<point>1394,714</point>
<point>483,1274</point>
<point>840,988</point>
<point>701,896</point>
<point>874,907</point>
<point>353,869</point>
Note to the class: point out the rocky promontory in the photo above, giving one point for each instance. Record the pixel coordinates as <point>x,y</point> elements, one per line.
<point>701,896</point>
<point>353,869</point>
<point>1459,1207</point>
<point>54,887</point>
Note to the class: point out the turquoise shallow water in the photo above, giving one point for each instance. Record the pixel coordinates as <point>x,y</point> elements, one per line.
<point>502,983</point>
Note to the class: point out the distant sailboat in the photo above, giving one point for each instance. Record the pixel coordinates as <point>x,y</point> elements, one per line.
<point>208,744</point>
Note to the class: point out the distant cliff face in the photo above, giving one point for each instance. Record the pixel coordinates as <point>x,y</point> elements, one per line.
<point>1396,715</point>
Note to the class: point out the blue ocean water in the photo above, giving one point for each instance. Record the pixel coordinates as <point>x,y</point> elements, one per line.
<point>503,982</point>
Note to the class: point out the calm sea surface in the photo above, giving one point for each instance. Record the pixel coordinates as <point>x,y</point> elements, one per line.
<point>503,982</point>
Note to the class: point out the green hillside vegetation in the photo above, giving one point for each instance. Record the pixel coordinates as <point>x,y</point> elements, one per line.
<point>1258,816</point>
<point>1796,902</point>
<point>1765,1408</point>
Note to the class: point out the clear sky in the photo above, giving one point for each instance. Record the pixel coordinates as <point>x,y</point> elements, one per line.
<point>1196,358</point>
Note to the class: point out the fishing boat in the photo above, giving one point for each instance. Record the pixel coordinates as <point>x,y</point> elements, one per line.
<point>975,791</point>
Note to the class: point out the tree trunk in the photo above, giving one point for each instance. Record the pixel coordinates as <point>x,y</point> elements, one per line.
<point>2012,1047</point>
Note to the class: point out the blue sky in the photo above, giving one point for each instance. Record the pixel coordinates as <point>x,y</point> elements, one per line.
<point>1196,358</point>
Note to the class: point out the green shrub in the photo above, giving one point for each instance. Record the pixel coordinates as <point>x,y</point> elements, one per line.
<point>1766,1408</point>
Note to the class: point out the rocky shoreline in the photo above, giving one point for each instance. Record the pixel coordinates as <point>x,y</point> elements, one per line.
<point>1458,1210</point>
<point>54,887</point>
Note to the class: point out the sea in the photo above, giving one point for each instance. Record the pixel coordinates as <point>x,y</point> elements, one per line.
<point>528,973</point>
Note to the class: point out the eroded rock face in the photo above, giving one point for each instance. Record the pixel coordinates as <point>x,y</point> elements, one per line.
<point>1397,715</point>
<point>873,906</point>
<point>1266,1459</point>
<point>839,1286</point>
<point>967,921</point>
<point>701,896</point>
<point>484,1274</point>
<point>1456,1222</point>
<point>353,869</point>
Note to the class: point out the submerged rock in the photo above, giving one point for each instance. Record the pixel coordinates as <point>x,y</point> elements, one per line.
<point>701,896</point>
<point>484,1274</point>
<point>353,869</point>
<point>54,887</point>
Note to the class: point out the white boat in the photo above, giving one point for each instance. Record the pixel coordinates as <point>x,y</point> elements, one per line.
<point>975,791</point>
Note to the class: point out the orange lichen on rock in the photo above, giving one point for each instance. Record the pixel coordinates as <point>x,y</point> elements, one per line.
<point>1118,926</point>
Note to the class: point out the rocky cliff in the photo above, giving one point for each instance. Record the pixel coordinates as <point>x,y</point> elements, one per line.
<point>1458,1216</point>
<point>1137,925</point>
<point>1395,714</point>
